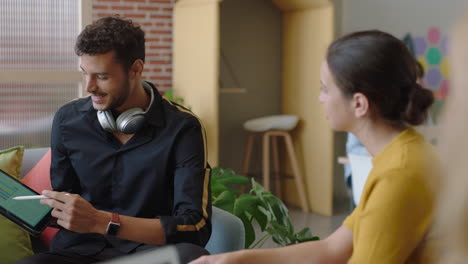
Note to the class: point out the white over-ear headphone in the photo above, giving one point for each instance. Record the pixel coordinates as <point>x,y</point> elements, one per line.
<point>129,121</point>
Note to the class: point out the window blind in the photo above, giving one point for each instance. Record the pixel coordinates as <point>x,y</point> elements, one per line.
<point>36,49</point>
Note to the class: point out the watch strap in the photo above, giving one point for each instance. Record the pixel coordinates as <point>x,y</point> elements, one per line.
<point>115,218</point>
<point>114,225</point>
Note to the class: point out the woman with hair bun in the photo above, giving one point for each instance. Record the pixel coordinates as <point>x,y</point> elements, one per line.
<point>369,88</point>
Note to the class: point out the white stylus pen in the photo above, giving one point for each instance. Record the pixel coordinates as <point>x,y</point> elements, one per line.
<point>29,197</point>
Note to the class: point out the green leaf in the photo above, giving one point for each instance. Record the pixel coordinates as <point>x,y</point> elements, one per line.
<point>312,238</point>
<point>278,235</point>
<point>234,179</point>
<point>225,201</point>
<point>249,231</point>
<point>227,176</point>
<point>283,230</point>
<point>217,189</point>
<point>257,188</point>
<point>279,210</point>
<point>266,212</point>
<point>243,208</point>
<point>282,234</point>
<point>260,217</point>
<point>305,232</point>
<point>305,235</point>
<point>244,203</point>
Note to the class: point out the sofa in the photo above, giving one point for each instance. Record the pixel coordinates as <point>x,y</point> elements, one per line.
<point>228,233</point>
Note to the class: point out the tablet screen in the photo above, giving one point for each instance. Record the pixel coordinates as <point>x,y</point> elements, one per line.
<point>30,212</point>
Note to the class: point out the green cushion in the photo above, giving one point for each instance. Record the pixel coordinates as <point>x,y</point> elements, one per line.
<point>11,160</point>
<point>15,243</point>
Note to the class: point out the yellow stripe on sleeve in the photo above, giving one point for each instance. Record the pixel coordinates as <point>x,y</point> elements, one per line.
<point>206,179</point>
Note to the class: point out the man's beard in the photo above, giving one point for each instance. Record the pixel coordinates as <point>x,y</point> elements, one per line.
<point>119,101</point>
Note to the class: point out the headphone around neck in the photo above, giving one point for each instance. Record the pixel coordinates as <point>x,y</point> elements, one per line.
<point>127,122</point>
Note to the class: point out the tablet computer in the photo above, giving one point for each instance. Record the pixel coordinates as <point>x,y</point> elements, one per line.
<point>29,214</point>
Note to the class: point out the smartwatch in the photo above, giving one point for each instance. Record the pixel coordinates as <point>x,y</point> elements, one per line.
<point>114,225</point>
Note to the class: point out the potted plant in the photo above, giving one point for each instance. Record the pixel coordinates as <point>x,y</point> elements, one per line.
<point>268,211</point>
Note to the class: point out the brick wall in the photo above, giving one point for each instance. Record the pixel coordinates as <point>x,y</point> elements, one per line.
<point>155,18</point>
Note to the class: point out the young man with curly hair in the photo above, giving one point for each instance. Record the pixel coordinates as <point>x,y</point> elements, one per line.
<point>129,169</point>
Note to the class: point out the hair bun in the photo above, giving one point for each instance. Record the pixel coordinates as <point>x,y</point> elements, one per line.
<point>420,99</point>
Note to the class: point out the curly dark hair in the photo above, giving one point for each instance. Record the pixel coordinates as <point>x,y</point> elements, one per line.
<point>113,34</point>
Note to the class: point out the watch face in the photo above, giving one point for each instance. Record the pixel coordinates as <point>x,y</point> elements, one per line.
<point>113,228</point>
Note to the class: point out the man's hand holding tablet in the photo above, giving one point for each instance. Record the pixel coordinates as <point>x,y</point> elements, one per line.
<point>29,214</point>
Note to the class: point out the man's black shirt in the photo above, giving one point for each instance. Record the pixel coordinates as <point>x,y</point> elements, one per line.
<point>161,172</point>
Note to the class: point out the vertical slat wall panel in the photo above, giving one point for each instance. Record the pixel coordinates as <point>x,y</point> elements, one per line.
<point>38,35</point>
<point>35,36</point>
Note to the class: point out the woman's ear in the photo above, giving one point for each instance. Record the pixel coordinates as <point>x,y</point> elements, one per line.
<point>360,104</point>
<point>136,69</point>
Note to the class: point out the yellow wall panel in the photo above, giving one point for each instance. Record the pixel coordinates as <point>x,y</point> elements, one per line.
<point>306,36</point>
<point>196,63</point>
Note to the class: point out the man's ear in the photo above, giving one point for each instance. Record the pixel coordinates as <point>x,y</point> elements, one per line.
<point>360,104</point>
<point>136,69</point>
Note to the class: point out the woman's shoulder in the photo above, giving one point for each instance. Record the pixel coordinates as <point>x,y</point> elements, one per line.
<point>411,153</point>
<point>415,165</point>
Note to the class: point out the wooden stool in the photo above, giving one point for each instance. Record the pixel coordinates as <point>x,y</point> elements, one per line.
<point>273,127</point>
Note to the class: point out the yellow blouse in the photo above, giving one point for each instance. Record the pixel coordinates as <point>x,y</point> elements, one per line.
<point>392,222</point>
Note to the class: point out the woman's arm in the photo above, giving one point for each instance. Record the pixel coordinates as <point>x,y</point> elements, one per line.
<point>337,248</point>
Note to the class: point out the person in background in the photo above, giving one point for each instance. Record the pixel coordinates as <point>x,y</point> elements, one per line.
<point>369,88</point>
<point>129,168</point>
<point>452,213</point>
<point>353,146</point>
